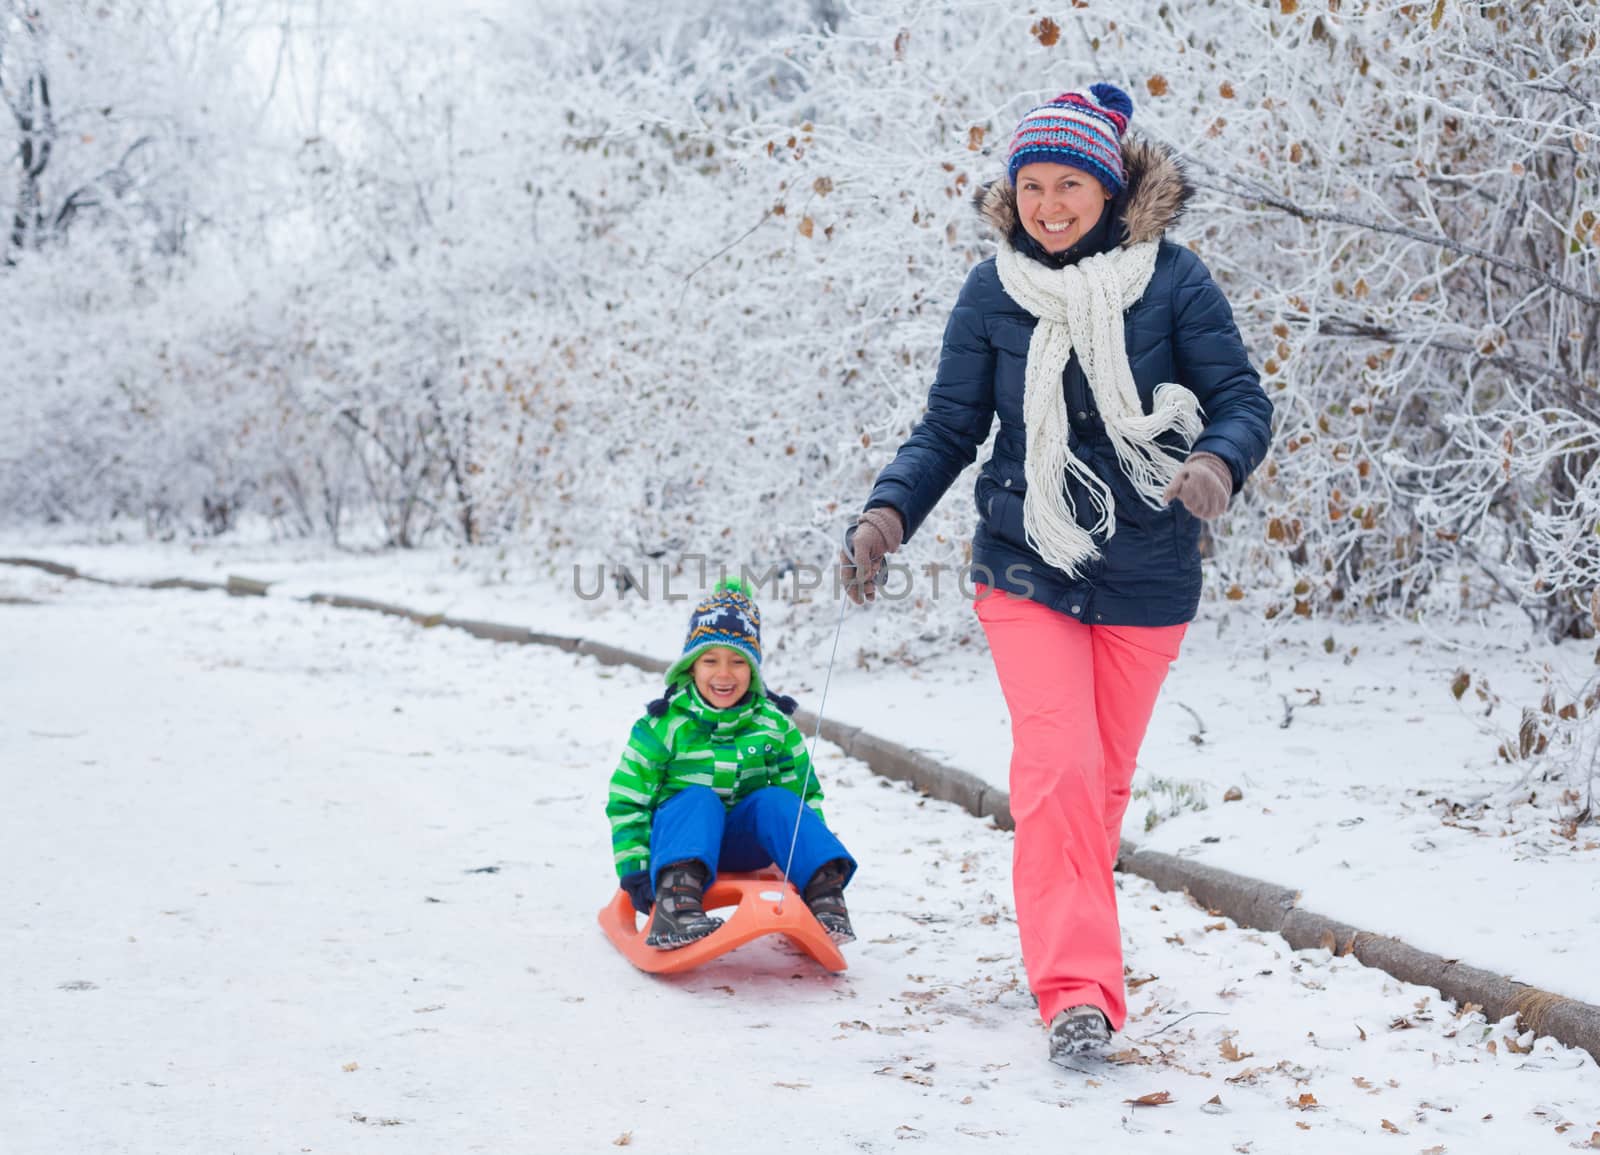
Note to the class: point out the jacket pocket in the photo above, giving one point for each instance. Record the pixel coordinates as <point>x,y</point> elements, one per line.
<point>1185,531</point>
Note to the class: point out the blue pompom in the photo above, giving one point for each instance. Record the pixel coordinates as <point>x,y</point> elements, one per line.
<point>1112,98</point>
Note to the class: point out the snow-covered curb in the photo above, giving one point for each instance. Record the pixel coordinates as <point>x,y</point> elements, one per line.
<point>1247,901</point>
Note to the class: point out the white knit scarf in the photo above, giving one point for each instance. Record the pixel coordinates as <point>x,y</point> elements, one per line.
<point>1080,310</point>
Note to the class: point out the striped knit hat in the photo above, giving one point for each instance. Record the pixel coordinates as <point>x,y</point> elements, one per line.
<point>727,617</point>
<point>1081,129</point>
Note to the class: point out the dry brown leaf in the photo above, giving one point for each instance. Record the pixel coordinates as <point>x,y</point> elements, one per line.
<point>1232,1053</point>
<point>1391,1128</point>
<point>1306,1102</point>
<point>1135,984</point>
<point>1360,1030</point>
<point>1225,91</point>
<point>1233,793</point>
<point>1047,32</point>
<point>1157,85</point>
<point>1439,1150</point>
<point>807,226</point>
<point>1493,1050</point>
<point>1302,1124</point>
<point>623,1140</point>
<point>1175,938</point>
<point>1517,1048</point>
<point>975,137</point>
<point>1362,1083</point>
<point>1217,926</point>
<point>1153,1099</point>
<point>352,1066</point>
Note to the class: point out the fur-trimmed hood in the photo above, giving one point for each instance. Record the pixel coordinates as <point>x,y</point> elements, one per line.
<point>1150,204</point>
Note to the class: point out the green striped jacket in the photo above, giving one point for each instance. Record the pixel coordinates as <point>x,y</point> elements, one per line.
<point>736,752</point>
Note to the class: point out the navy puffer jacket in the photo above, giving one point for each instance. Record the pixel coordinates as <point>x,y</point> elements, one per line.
<point>1181,329</point>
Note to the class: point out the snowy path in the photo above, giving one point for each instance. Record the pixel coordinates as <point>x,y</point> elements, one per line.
<point>245,865</point>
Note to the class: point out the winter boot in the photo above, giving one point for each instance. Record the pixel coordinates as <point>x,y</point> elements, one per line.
<point>824,894</point>
<point>680,916</point>
<point>1077,1030</point>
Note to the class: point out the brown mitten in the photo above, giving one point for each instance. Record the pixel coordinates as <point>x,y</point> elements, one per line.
<point>876,534</point>
<point>1203,483</point>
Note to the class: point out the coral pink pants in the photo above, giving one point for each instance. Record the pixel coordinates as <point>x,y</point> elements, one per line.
<point>1080,699</point>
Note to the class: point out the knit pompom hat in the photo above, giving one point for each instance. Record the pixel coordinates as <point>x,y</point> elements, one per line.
<point>727,617</point>
<point>1081,129</point>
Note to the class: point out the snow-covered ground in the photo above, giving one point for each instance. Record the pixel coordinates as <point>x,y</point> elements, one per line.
<point>284,878</point>
<point>1366,783</point>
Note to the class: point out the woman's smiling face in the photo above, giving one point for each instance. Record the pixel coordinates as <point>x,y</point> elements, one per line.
<point>1058,204</point>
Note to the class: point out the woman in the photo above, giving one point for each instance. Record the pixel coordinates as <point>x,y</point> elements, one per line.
<point>1128,413</point>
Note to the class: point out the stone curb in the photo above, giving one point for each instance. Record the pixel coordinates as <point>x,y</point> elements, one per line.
<point>1247,901</point>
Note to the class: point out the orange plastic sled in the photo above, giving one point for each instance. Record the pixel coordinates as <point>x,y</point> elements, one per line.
<point>756,897</point>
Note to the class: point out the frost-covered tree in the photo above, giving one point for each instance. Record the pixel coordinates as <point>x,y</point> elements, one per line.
<point>671,280</point>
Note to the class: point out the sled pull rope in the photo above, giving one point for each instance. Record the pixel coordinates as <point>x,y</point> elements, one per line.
<point>811,760</point>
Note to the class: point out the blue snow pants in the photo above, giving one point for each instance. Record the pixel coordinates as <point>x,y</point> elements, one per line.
<point>693,824</point>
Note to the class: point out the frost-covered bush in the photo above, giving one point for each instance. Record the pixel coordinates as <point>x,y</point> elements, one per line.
<point>652,281</point>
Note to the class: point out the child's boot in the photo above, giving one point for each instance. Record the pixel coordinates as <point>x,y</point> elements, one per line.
<point>824,894</point>
<point>680,916</point>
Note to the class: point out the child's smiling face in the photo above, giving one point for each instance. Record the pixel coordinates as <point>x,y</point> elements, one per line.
<point>722,676</point>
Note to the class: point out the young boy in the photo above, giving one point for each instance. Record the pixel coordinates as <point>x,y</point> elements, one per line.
<point>712,778</point>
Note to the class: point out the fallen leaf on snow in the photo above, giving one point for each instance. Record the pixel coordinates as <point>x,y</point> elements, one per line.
<point>1153,1099</point>
<point>352,1066</point>
<point>1217,926</point>
<point>623,1139</point>
<point>1517,1048</point>
<point>1232,1053</point>
<point>1306,1102</point>
<point>1391,1128</point>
